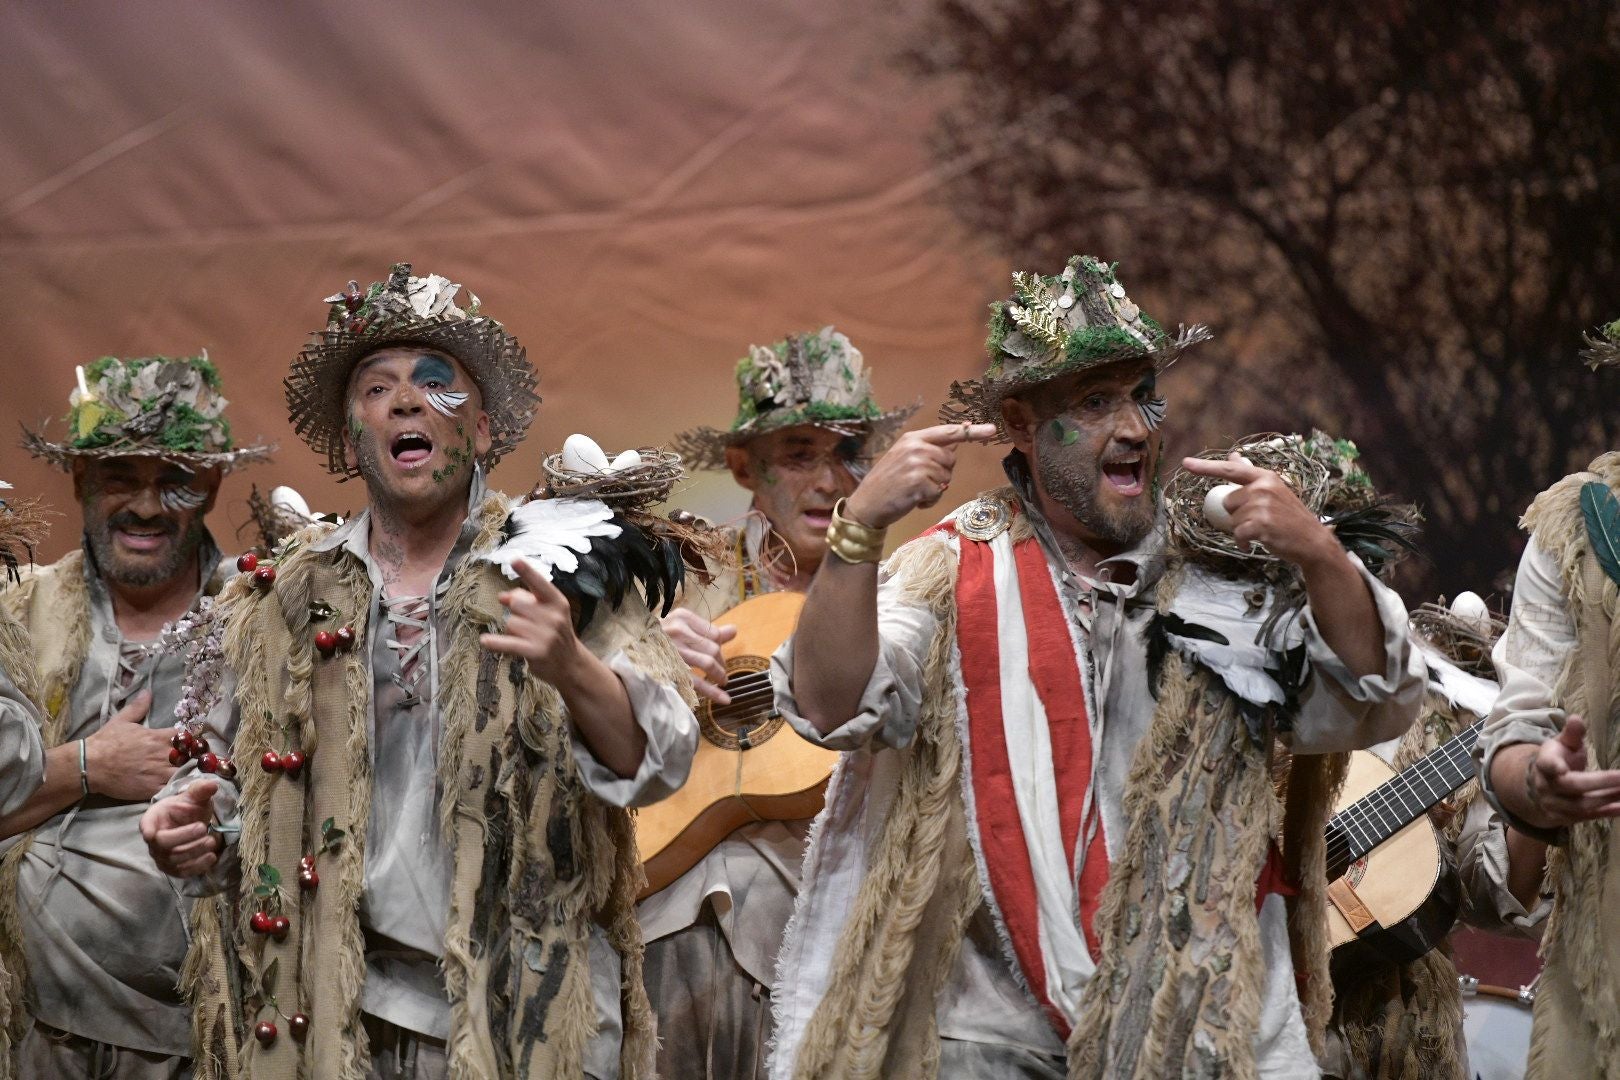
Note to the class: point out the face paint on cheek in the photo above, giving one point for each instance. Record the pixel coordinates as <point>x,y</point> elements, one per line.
<point>180,498</point>
<point>1153,412</point>
<point>447,401</point>
<point>1065,436</point>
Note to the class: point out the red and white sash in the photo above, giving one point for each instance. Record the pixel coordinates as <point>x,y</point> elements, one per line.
<point>1029,766</point>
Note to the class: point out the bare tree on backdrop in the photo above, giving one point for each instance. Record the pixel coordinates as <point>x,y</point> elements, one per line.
<point>1399,215</point>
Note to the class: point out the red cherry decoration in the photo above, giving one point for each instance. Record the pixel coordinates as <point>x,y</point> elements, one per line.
<point>178,757</point>
<point>270,762</point>
<point>227,769</point>
<point>209,762</point>
<point>279,925</point>
<point>345,637</point>
<point>181,739</point>
<point>307,862</point>
<point>264,575</point>
<point>260,922</point>
<point>265,1032</point>
<point>308,880</point>
<point>326,641</point>
<point>247,562</point>
<point>292,763</point>
<point>298,1024</point>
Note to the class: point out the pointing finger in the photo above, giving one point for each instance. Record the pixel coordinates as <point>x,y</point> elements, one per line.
<point>537,583</point>
<point>951,434</point>
<point>1236,468</point>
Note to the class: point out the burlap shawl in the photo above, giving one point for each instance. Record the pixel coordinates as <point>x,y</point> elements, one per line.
<point>1577,1010</point>
<point>1179,983</point>
<point>535,858</point>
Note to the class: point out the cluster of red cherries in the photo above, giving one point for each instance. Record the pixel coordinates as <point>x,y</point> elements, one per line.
<point>262,575</point>
<point>186,745</point>
<point>265,1030</point>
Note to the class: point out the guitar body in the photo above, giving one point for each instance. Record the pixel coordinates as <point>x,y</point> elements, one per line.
<point>1405,883</point>
<point>750,765</point>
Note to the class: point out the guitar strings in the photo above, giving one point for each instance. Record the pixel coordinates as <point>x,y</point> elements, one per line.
<point>1364,821</point>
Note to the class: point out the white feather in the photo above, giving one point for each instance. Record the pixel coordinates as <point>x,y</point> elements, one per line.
<point>552,534</point>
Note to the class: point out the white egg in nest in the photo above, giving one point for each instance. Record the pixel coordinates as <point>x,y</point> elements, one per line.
<point>285,498</point>
<point>580,454</point>
<point>630,459</point>
<point>1468,607</point>
<point>1215,511</point>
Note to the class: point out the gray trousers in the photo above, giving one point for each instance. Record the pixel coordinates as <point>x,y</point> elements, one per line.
<point>48,1052</point>
<point>714,1020</point>
<point>397,1054</point>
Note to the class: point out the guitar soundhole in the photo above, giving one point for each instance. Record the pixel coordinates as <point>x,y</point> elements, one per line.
<point>751,718</point>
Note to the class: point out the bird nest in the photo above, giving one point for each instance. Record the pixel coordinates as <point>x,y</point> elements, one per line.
<point>1465,642</point>
<point>275,523</point>
<point>1311,479</point>
<point>631,489</point>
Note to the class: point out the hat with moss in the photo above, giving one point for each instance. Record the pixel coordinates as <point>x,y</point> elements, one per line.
<point>151,406</point>
<point>816,378</point>
<point>406,310</point>
<point>1054,326</point>
<point>1603,348</point>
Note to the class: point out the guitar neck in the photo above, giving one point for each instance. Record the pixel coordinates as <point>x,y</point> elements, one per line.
<point>1417,789</point>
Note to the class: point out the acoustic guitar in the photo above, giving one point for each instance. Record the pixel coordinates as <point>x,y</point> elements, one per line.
<point>1390,892</point>
<point>749,766</point>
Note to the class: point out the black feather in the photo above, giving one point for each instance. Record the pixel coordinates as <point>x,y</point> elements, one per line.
<point>1378,535</point>
<point>606,573</point>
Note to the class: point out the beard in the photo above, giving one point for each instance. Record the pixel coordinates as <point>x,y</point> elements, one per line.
<point>1072,477</point>
<point>120,569</point>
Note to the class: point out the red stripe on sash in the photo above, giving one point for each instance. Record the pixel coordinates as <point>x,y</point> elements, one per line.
<point>1001,833</point>
<point>1056,675</point>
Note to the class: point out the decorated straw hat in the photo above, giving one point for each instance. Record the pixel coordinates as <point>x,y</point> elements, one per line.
<point>406,310</point>
<point>1054,326</point>
<point>150,406</point>
<point>1603,348</point>
<point>815,378</point>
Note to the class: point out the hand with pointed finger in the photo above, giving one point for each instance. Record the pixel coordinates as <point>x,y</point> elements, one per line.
<point>177,834</point>
<point>698,641</point>
<point>1266,511</point>
<point>913,473</point>
<point>1560,786</point>
<point>539,628</point>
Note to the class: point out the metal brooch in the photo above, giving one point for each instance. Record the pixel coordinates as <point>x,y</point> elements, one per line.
<point>983,519</point>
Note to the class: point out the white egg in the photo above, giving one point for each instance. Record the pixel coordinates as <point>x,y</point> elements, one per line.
<point>1215,511</point>
<point>285,498</point>
<point>1470,608</point>
<point>580,454</point>
<point>630,459</point>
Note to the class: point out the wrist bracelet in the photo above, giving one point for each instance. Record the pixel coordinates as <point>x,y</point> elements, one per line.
<point>851,541</point>
<point>84,769</point>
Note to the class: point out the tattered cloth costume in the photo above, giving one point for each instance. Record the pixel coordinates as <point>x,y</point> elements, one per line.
<point>713,934</point>
<point>91,931</point>
<point>1048,848</point>
<point>1559,657</point>
<point>472,855</point>
<point>1403,1021</point>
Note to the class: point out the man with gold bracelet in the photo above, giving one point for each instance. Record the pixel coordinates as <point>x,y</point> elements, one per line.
<point>807,426</point>
<point>1048,848</point>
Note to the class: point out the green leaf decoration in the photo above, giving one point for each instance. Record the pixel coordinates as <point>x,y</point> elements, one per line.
<point>269,876</point>
<point>1602,512</point>
<point>262,891</point>
<point>326,826</point>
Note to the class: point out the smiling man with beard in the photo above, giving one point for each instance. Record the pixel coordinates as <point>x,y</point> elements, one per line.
<point>806,429</point>
<point>97,931</point>
<point>441,761</point>
<point>1048,849</point>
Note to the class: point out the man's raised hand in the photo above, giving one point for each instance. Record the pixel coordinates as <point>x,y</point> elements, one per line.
<point>1266,511</point>
<point>125,759</point>
<point>698,641</point>
<point>176,831</point>
<point>914,473</point>
<point>539,627</point>
<point>1560,786</point>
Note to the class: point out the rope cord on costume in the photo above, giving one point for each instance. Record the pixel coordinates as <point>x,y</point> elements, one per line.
<point>410,619</point>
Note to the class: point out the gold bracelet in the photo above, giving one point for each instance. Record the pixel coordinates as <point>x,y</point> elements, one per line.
<point>851,541</point>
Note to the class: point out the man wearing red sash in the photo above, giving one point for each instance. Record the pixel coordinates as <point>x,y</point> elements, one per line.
<point>1050,848</point>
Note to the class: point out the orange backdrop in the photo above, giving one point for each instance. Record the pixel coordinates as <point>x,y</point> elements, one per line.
<point>637,189</point>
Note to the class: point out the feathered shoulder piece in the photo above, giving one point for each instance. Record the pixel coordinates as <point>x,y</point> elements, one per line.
<point>592,553</point>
